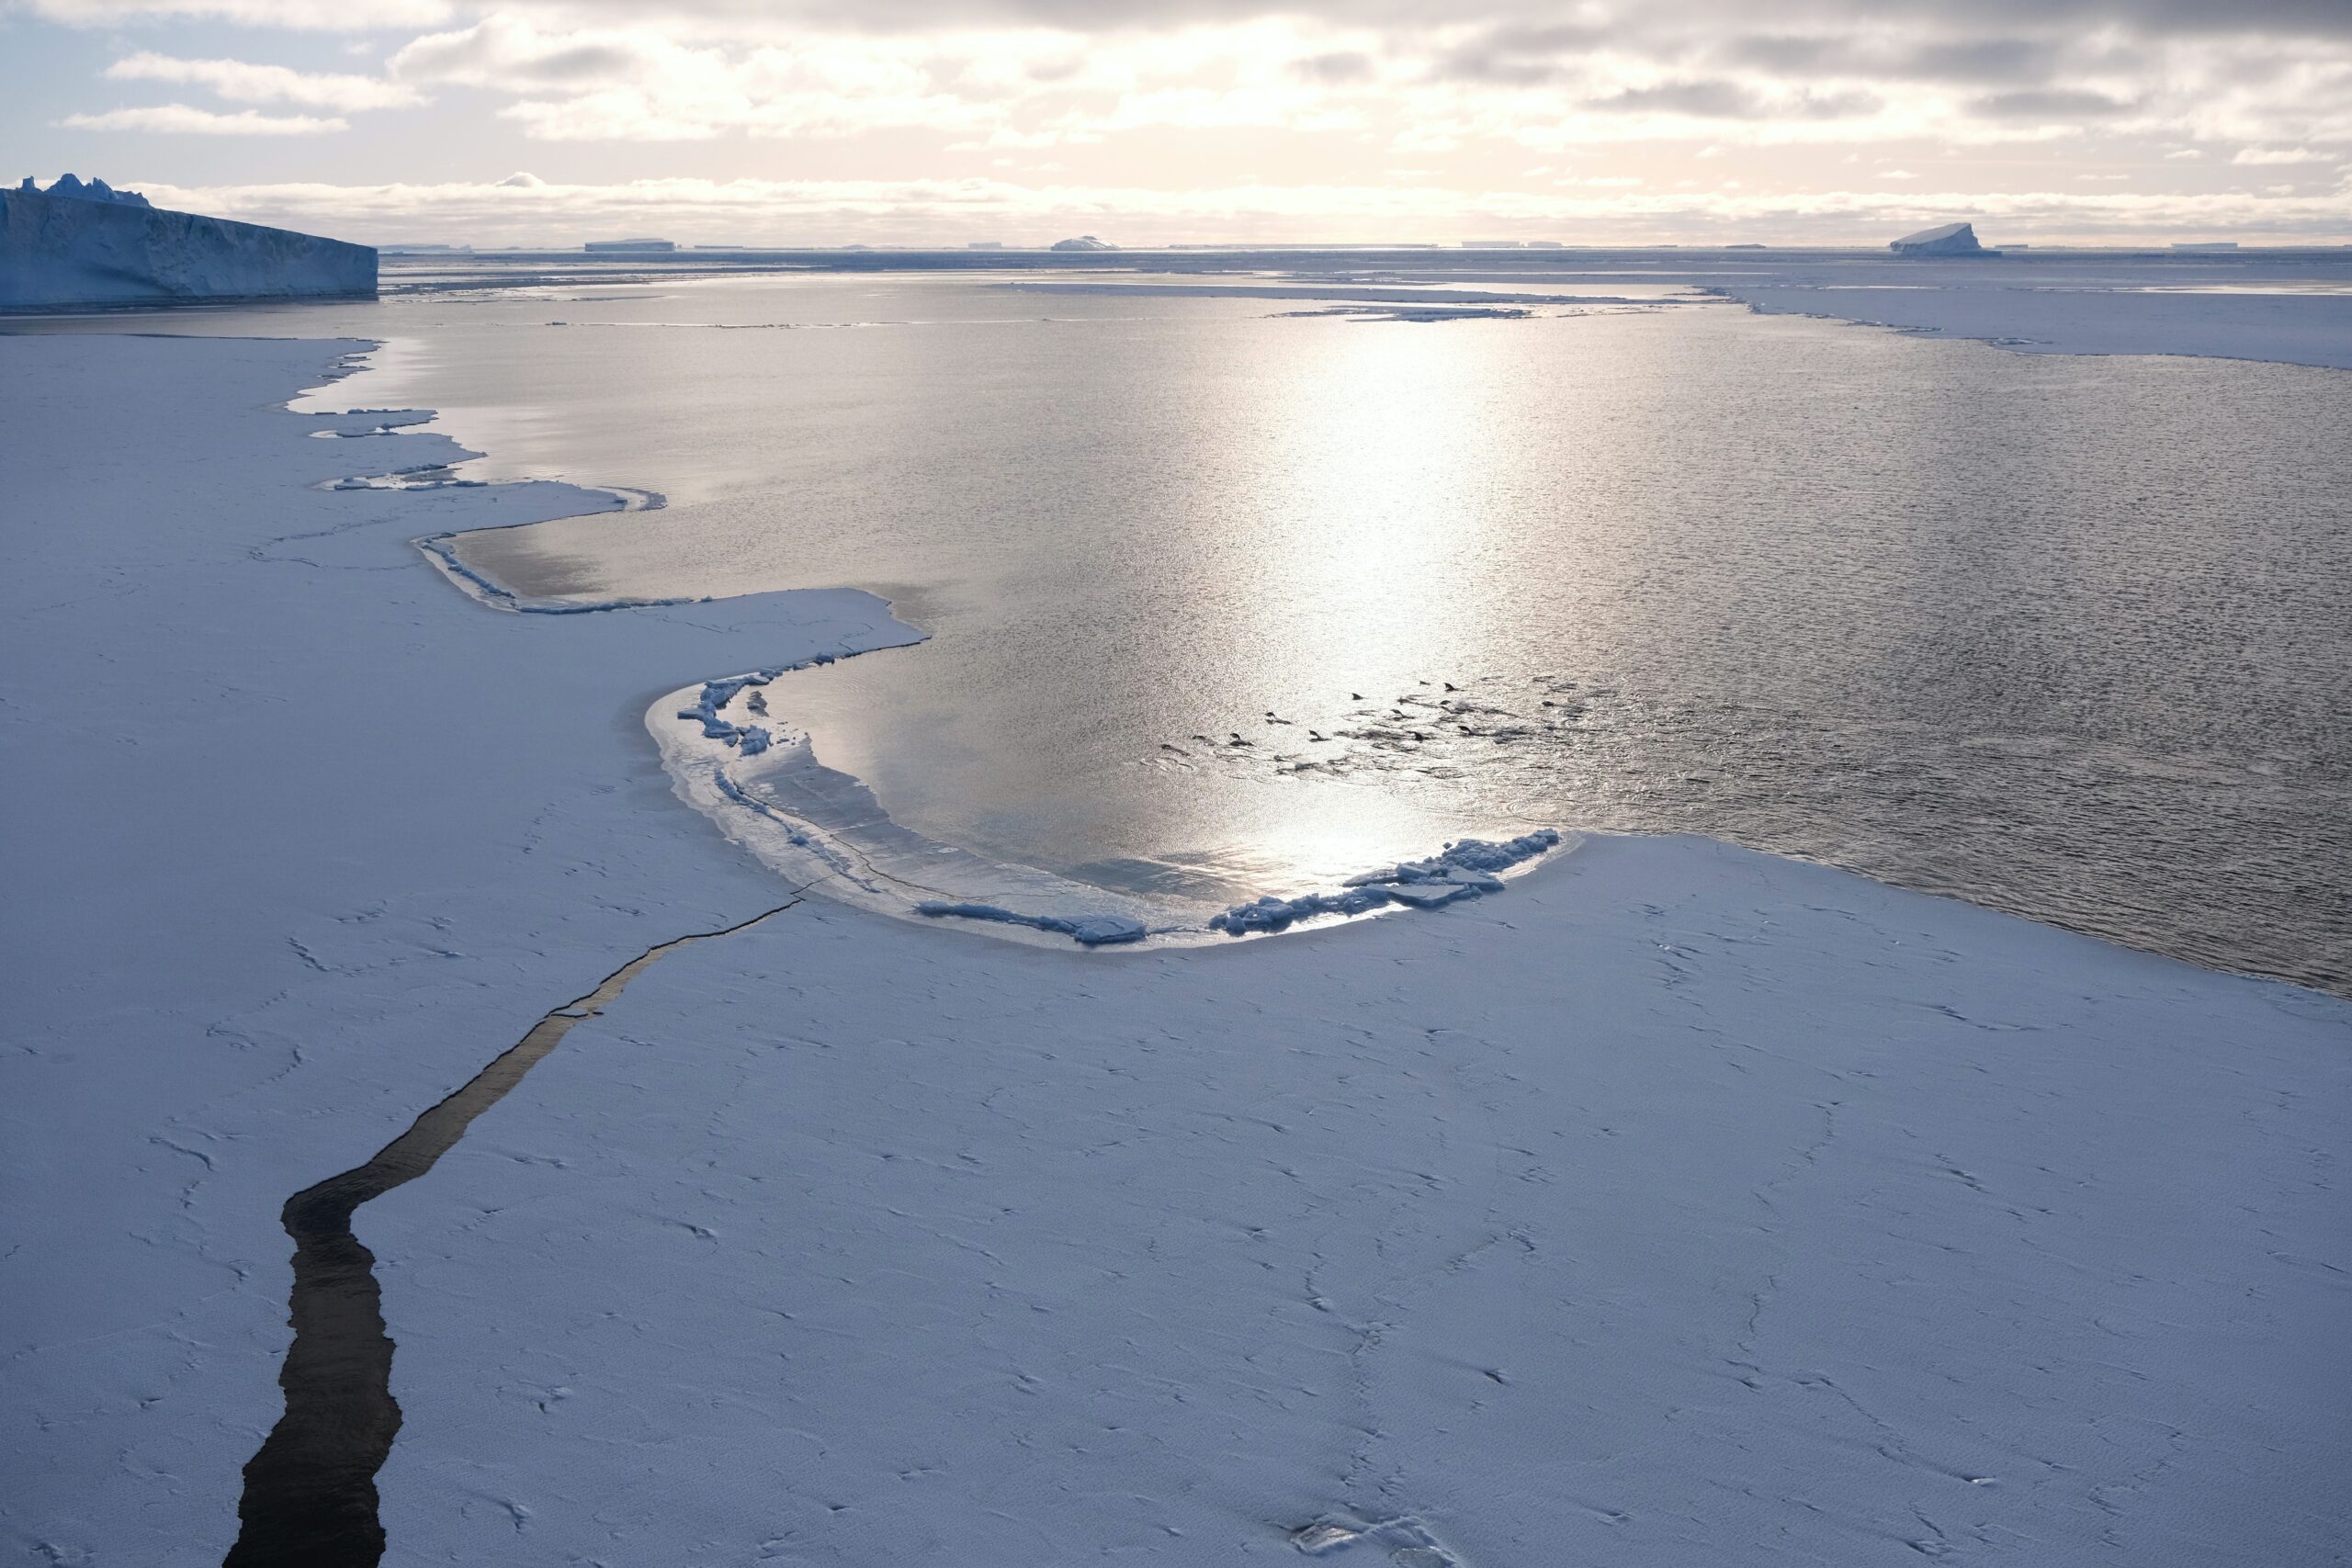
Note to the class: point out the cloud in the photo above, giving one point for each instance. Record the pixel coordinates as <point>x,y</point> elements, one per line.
<point>1996,59</point>
<point>1702,100</point>
<point>637,85</point>
<point>507,51</point>
<point>1961,26</point>
<point>1202,94</point>
<point>1339,68</point>
<point>2075,19</point>
<point>179,120</point>
<point>2281,155</point>
<point>304,15</point>
<point>1737,101</point>
<point>1405,73</point>
<point>1520,56</point>
<point>985,89</point>
<point>242,83</point>
<point>2049,104</point>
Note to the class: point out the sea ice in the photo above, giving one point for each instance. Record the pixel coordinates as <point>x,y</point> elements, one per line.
<point>1464,870</point>
<point>1088,930</point>
<point>1684,1199</point>
<point>2038,302</point>
<point>331,921</point>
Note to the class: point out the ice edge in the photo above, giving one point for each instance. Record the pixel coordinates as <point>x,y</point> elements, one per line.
<point>814,858</point>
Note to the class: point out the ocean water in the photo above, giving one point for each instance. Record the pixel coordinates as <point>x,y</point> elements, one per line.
<point>1229,599</point>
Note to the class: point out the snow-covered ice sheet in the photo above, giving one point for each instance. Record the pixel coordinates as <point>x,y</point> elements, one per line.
<point>299,838</point>
<point>2080,306</point>
<point>2287,307</point>
<point>1683,1205</point>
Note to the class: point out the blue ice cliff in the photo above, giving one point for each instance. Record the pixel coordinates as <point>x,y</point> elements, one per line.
<point>79,245</point>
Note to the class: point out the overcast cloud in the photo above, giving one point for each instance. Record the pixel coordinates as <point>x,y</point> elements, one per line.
<point>728,119</point>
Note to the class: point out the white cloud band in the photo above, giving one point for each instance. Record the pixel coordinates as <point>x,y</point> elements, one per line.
<point>247,84</point>
<point>180,119</point>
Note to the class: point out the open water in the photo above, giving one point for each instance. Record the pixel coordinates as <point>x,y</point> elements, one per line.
<point>1229,599</point>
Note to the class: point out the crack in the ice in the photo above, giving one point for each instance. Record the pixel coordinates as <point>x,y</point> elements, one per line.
<point>310,1496</point>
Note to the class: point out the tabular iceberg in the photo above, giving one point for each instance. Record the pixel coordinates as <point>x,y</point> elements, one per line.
<point>88,244</point>
<point>1946,240</point>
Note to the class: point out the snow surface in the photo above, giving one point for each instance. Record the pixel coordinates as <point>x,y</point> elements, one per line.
<point>301,838</point>
<point>2292,307</point>
<point>2283,311</point>
<point>66,248</point>
<point>1685,1205</point>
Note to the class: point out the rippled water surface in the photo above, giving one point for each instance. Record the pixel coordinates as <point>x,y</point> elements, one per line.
<point>1226,599</point>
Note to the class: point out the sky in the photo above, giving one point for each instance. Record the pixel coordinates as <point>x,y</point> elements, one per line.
<point>1444,122</point>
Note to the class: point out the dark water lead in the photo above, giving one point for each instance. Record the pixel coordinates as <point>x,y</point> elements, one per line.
<point>309,1498</point>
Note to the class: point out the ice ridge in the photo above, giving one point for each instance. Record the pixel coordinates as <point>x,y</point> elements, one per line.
<point>750,738</point>
<point>1467,869</point>
<point>1089,930</point>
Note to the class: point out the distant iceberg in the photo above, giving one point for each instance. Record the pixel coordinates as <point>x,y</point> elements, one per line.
<point>1947,240</point>
<point>1084,242</point>
<point>81,244</point>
